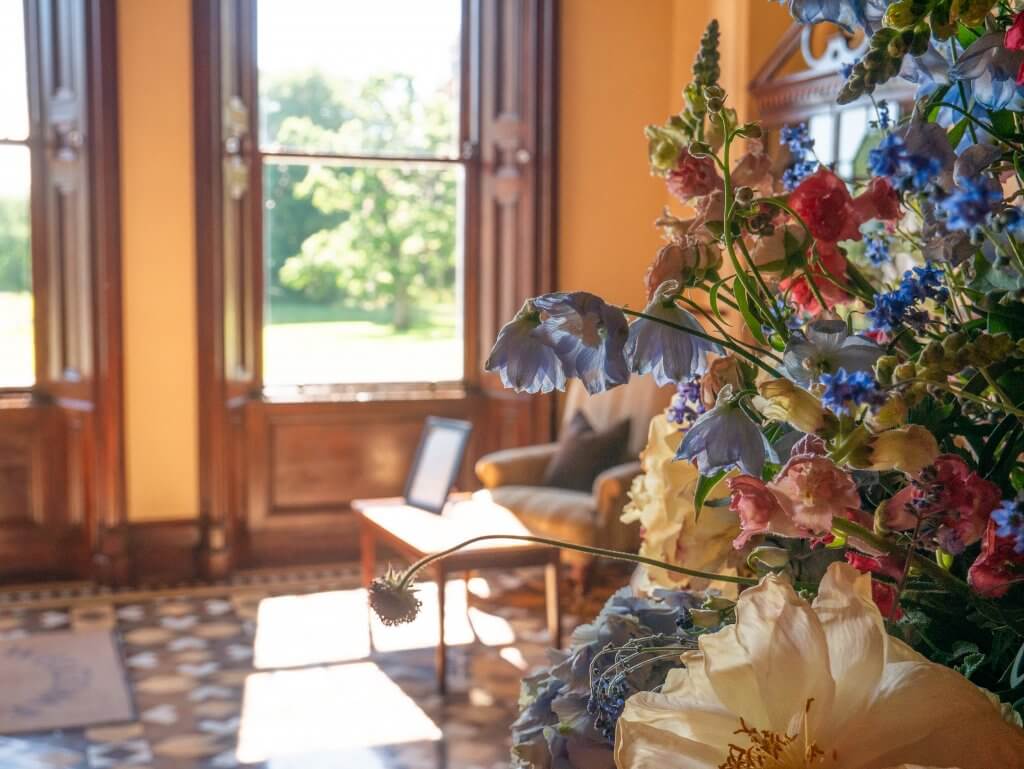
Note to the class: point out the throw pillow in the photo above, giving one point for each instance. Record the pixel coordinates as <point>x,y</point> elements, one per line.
<point>584,453</point>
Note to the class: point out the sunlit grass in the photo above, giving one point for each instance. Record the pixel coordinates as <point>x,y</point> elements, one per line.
<point>17,351</point>
<point>314,344</point>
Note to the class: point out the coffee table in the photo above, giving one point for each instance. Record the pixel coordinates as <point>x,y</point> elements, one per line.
<point>414,533</point>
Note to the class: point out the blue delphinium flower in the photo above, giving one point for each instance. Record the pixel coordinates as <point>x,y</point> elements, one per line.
<point>725,437</point>
<point>799,142</point>
<point>523,358</point>
<point>1009,520</point>
<point>884,120</point>
<point>901,307</point>
<point>588,336</point>
<point>686,404</point>
<point>969,204</point>
<point>876,249</point>
<point>826,346</point>
<point>907,171</point>
<point>668,354</point>
<point>845,392</point>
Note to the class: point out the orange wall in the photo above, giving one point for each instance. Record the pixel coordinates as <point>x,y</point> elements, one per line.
<point>161,415</point>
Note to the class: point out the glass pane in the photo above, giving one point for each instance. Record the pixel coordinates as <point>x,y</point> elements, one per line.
<point>17,349</point>
<point>352,77</point>
<point>13,80</point>
<point>853,127</point>
<point>822,130</point>
<point>363,267</point>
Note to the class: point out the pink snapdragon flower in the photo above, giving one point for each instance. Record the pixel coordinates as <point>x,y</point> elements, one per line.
<point>961,499</point>
<point>693,177</point>
<point>800,502</point>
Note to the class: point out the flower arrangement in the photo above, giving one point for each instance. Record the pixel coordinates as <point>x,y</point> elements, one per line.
<point>833,505</point>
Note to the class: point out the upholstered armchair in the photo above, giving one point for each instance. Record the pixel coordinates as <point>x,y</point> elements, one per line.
<point>515,476</point>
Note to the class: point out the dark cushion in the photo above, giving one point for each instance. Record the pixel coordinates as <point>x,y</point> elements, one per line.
<point>584,453</point>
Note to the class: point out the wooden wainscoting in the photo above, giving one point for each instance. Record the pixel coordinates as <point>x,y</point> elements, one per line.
<point>305,463</point>
<point>43,492</point>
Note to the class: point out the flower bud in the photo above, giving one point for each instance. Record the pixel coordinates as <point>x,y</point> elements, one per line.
<point>904,372</point>
<point>744,195</point>
<point>783,401</point>
<point>752,130</point>
<point>722,371</point>
<point>715,104</point>
<point>884,368</point>
<point>769,557</point>
<point>892,413</point>
<point>705,618</point>
<point>910,449</point>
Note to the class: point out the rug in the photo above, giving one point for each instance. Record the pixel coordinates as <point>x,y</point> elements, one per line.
<point>62,680</point>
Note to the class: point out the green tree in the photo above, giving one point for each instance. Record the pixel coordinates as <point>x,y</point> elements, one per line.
<point>370,235</point>
<point>15,264</point>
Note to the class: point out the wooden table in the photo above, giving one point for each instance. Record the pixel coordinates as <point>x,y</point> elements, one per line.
<point>414,533</point>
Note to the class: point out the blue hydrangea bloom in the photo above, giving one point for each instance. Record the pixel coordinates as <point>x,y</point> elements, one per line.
<point>667,353</point>
<point>1009,520</point>
<point>523,358</point>
<point>725,437</point>
<point>967,206</point>
<point>826,346</point>
<point>845,392</point>
<point>587,335</point>
<point>876,249</point>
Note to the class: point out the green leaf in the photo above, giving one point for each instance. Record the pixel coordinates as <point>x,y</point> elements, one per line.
<point>1002,122</point>
<point>957,134</point>
<point>740,292</point>
<point>713,298</point>
<point>705,485</point>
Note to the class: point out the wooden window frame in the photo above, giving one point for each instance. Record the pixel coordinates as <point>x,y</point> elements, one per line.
<point>69,422</point>
<point>508,125</point>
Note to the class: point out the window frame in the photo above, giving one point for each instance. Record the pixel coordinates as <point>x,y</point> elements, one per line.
<point>465,158</point>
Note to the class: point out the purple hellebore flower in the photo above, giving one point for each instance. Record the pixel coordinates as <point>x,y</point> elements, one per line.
<point>588,336</point>
<point>726,437</point>
<point>667,353</point>
<point>523,357</point>
<point>825,347</point>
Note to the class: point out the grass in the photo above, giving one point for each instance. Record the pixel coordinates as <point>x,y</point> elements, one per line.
<point>304,344</point>
<point>318,344</point>
<point>17,351</point>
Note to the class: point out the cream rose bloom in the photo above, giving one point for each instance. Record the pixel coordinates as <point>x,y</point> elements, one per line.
<point>661,499</point>
<point>794,685</point>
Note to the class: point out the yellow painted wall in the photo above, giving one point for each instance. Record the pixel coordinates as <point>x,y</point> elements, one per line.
<point>161,413</point>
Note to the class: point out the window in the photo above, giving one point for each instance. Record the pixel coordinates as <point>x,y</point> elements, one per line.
<point>363,190</point>
<point>17,345</point>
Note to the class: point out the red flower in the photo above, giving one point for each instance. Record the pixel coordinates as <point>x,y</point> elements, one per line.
<point>882,593</point>
<point>963,502</point>
<point>693,177</point>
<point>998,565</point>
<point>825,205</point>
<point>885,598</point>
<point>1014,40</point>
<point>878,201</point>
<point>835,262</point>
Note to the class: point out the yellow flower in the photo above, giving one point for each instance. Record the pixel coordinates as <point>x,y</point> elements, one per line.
<point>661,499</point>
<point>799,686</point>
<point>910,449</point>
<point>783,401</point>
<point>892,413</point>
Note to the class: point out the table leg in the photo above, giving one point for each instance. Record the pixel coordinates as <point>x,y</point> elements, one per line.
<point>442,655</point>
<point>552,584</point>
<point>367,552</point>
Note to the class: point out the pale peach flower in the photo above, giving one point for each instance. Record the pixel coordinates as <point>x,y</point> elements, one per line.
<point>721,372</point>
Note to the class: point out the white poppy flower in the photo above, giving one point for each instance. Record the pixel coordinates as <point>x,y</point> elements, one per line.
<point>798,686</point>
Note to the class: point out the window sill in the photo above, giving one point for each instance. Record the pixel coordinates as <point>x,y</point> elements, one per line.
<point>365,393</point>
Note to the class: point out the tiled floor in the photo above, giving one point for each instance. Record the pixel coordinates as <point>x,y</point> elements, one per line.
<point>288,672</point>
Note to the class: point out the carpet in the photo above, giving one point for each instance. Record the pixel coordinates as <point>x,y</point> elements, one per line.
<point>62,680</point>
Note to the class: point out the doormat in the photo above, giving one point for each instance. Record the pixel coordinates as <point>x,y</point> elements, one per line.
<point>62,680</point>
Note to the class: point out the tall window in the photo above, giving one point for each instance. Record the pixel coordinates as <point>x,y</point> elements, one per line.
<point>17,348</point>
<point>363,187</point>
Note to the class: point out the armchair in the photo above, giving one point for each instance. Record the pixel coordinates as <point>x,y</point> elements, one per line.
<point>515,476</point>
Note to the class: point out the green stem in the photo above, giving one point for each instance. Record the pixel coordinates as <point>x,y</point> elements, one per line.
<point>728,344</point>
<point>615,555</point>
<point>965,395</point>
<point>850,529</point>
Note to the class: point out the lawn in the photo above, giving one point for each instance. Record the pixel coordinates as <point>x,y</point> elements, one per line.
<point>17,353</point>
<point>316,344</point>
<point>304,344</point>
